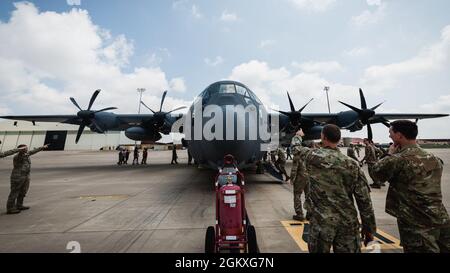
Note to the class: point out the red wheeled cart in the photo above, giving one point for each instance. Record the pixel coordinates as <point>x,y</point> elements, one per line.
<point>232,231</point>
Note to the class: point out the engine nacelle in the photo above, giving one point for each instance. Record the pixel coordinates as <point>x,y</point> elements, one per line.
<point>140,134</point>
<point>357,126</point>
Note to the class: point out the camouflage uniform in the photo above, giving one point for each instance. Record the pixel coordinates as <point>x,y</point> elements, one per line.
<point>415,199</point>
<point>370,157</point>
<point>299,177</point>
<point>281,161</point>
<point>20,179</point>
<point>334,182</point>
<point>351,153</point>
<point>357,149</point>
<point>8,153</point>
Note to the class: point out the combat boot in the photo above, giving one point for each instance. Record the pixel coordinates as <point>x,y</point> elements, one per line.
<point>12,211</point>
<point>22,207</point>
<point>298,217</point>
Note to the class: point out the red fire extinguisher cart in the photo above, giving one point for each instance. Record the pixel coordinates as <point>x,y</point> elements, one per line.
<point>232,231</point>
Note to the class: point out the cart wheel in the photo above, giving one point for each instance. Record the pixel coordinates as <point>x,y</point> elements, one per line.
<point>210,240</point>
<point>251,239</point>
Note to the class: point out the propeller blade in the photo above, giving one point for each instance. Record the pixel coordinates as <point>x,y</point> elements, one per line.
<point>375,107</point>
<point>290,103</point>
<point>369,132</point>
<point>363,100</point>
<point>80,132</point>
<point>147,107</point>
<point>176,109</point>
<point>301,109</point>
<point>351,107</point>
<point>162,100</point>
<point>106,109</point>
<point>283,112</point>
<point>94,96</point>
<point>75,103</point>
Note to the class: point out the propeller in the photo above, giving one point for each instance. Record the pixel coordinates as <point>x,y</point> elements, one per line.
<point>88,116</point>
<point>160,116</point>
<point>295,116</point>
<point>364,114</point>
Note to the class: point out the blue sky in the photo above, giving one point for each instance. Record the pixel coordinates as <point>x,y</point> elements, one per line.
<point>398,51</point>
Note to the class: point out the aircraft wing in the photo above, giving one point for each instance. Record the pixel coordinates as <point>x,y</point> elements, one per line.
<point>377,118</point>
<point>70,119</point>
<point>125,120</point>
<point>408,116</point>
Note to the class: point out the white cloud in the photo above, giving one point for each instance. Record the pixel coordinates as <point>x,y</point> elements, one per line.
<point>73,2</point>
<point>358,52</point>
<point>271,84</point>
<point>441,105</point>
<point>47,57</point>
<point>368,16</point>
<point>374,2</point>
<point>219,60</point>
<point>319,67</point>
<point>431,59</point>
<point>313,5</point>
<point>177,84</point>
<point>196,12</point>
<point>228,17</point>
<point>266,44</point>
<point>178,4</point>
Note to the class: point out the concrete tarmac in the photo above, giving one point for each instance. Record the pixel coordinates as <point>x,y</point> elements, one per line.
<point>87,198</point>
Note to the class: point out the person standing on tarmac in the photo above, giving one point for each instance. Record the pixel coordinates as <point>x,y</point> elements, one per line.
<point>174,154</point>
<point>299,179</point>
<point>370,157</point>
<point>281,162</point>
<point>351,153</point>
<point>414,196</point>
<point>144,156</point>
<point>20,179</point>
<point>335,183</point>
<point>136,155</point>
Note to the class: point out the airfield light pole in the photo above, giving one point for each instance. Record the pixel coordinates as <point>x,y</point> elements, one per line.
<point>327,88</point>
<point>140,91</point>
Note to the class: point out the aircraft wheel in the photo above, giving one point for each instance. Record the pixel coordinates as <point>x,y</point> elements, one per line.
<point>210,240</point>
<point>251,239</point>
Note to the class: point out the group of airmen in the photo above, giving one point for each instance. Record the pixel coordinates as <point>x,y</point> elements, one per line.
<point>332,182</point>
<point>372,154</point>
<point>20,177</point>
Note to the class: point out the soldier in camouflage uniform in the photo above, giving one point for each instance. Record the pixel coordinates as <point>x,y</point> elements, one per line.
<point>351,153</point>
<point>8,153</point>
<point>281,162</point>
<point>357,149</point>
<point>370,157</point>
<point>299,179</point>
<point>414,196</point>
<point>20,179</point>
<point>335,181</point>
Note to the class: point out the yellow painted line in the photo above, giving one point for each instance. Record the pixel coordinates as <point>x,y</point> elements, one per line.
<point>296,229</point>
<point>296,232</point>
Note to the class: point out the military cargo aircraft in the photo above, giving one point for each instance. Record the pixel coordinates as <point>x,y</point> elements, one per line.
<point>237,138</point>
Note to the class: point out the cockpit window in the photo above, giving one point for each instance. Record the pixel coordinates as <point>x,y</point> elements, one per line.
<point>227,88</point>
<point>241,90</point>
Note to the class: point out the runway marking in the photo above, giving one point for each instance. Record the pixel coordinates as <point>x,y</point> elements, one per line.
<point>104,197</point>
<point>299,231</point>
